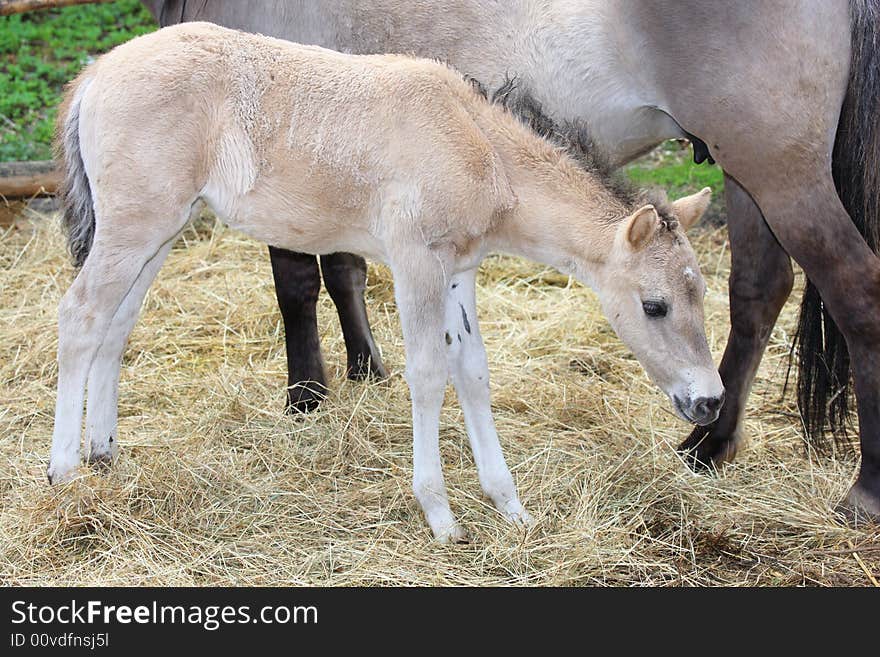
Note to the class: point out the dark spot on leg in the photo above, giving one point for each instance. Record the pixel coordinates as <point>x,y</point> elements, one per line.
<point>459,336</point>
<point>464,319</point>
<point>111,439</point>
<point>454,285</point>
<point>448,338</point>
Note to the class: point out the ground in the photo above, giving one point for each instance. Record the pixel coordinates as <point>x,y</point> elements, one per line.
<point>214,485</point>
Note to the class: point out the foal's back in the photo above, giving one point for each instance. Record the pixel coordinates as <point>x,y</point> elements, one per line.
<point>317,141</point>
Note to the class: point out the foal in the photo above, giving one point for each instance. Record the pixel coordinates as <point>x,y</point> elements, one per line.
<point>399,160</point>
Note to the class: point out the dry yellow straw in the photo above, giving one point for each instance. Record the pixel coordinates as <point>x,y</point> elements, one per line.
<point>215,486</point>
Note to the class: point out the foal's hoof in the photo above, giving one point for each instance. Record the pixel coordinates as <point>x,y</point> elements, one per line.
<point>101,461</point>
<point>859,508</point>
<point>453,534</point>
<point>521,518</point>
<point>511,508</point>
<point>61,474</point>
<point>304,399</point>
<point>702,450</point>
<point>102,454</point>
<point>366,367</point>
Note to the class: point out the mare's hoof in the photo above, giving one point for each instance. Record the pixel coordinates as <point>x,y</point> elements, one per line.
<point>366,367</point>
<point>703,450</point>
<point>860,507</point>
<point>304,399</point>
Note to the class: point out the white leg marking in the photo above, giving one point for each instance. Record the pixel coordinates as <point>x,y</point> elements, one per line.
<point>419,296</point>
<point>469,369</point>
<point>84,317</point>
<point>103,384</point>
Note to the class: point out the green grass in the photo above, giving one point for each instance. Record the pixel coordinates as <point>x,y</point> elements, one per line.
<point>40,52</point>
<point>673,168</point>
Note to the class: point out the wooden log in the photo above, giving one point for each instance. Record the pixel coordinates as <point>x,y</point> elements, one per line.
<point>9,7</point>
<point>27,179</point>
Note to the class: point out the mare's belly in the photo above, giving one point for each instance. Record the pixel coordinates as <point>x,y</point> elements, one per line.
<point>624,133</point>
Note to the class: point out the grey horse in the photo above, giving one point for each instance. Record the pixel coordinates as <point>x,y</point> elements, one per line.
<point>783,94</point>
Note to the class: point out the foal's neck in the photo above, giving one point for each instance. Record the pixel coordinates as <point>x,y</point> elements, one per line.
<point>565,216</point>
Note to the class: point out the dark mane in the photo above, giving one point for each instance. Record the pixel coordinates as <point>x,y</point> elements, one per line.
<point>574,138</point>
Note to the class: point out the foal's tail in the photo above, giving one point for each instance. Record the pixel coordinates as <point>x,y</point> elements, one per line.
<point>823,359</point>
<point>75,191</point>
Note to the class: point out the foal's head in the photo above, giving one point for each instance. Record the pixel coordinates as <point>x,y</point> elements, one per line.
<point>653,297</point>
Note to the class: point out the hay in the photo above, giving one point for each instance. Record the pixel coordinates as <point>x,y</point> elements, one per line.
<point>214,486</point>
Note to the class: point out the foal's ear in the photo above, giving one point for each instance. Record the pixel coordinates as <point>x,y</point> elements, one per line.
<point>638,228</point>
<point>689,209</point>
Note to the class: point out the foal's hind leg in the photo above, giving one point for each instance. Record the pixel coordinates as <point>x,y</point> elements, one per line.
<point>84,316</point>
<point>122,247</point>
<point>103,383</point>
<point>760,281</point>
<point>469,370</point>
<point>345,276</point>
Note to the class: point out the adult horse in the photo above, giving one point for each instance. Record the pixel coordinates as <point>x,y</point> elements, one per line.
<point>783,95</point>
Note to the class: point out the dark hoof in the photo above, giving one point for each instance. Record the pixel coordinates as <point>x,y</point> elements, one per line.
<point>703,450</point>
<point>304,399</point>
<point>860,508</point>
<point>366,367</point>
<point>101,462</point>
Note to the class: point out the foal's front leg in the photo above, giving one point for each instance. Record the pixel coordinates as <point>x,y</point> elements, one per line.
<point>419,287</point>
<point>469,370</point>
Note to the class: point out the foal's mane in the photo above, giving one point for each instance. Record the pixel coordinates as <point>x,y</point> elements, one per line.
<point>574,139</point>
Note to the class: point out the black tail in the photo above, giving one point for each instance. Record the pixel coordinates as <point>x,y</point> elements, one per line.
<point>75,192</point>
<point>824,386</point>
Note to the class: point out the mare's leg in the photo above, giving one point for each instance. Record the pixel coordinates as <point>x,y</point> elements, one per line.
<point>297,283</point>
<point>760,281</point>
<point>420,289</point>
<point>103,383</point>
<point>469,370</point>
<point>345,276</point>
<point>775,134</point>
<point>815,229</point>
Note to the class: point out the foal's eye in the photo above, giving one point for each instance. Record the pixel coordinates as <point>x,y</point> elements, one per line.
<point>655,308</point>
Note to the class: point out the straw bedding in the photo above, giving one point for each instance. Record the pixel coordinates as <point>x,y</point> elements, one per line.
<point>214,486</point>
